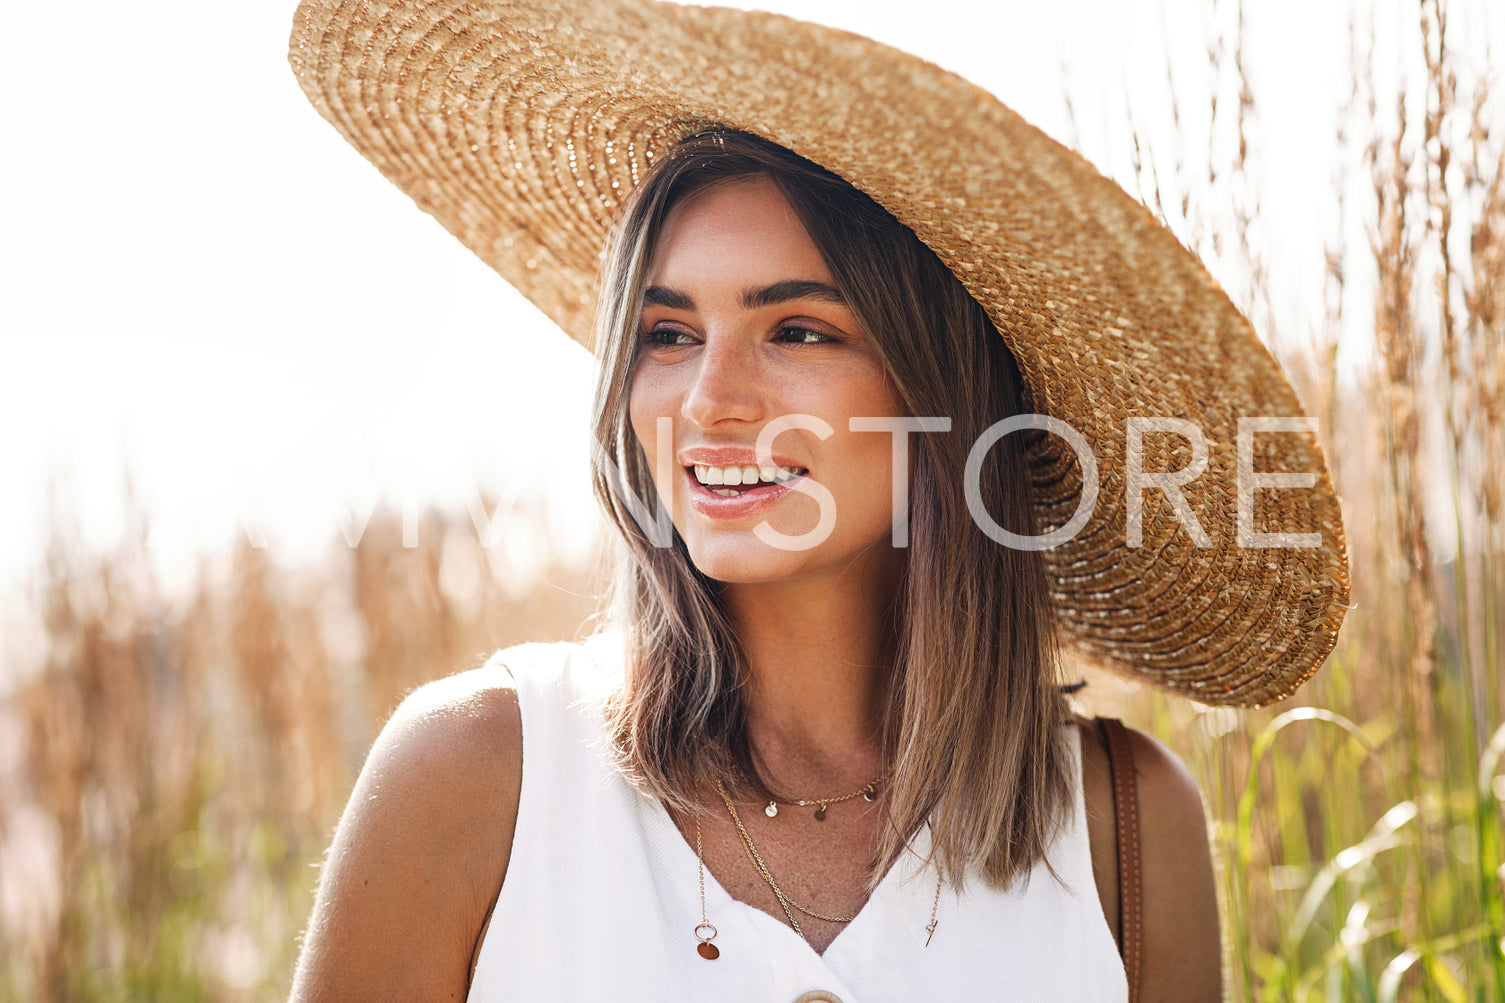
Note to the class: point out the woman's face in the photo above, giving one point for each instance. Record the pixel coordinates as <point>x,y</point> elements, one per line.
<point>743,325</point>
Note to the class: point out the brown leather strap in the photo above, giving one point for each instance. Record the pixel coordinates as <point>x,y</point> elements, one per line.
<point>1126,817</point>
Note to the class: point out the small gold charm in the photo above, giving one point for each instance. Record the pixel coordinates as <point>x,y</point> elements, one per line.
<point>820,814</point>
<point>706,949</point>
<point>772,809</point>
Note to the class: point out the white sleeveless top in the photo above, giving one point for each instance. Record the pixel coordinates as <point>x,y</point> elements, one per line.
<point>602,896</point>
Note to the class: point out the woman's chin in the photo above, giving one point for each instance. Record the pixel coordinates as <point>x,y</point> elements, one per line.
<point>747,566</point>
<point>742,558</point>
<point>750,561</point>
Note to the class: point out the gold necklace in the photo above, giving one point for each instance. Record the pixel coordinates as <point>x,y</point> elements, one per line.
<point>788,904</point>
<point>705,948</point>
<point>869,792</point>
<point>711,952</point>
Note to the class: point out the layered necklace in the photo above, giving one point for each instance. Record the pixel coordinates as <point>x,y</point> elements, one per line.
<point>868,792</point>
<point>705,932</point>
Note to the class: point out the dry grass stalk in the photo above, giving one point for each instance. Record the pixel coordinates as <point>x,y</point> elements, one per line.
<point>193,756</point>
<point>1420,659</point>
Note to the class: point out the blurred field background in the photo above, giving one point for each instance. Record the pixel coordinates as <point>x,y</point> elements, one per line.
<point>1358,825</point>
<point>172,761</point>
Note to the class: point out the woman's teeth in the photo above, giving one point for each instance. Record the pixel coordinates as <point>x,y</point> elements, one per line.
<point>743,476</point>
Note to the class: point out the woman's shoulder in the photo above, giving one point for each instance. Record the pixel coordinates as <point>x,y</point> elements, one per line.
<point>463,730</point>
<point>1163,780</point>
<point>466,730</point>
<point>461,734</point>
<point>422,846</point>
<point>456,744</point>
<point>1181,946</point>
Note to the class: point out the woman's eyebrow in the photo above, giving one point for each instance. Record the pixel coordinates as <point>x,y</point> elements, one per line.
<point>666,297</point>
<point>752,299</point>
<point>791,289</point>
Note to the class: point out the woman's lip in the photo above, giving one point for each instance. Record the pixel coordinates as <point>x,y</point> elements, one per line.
<point>732,457</point>
<point>704,500</point>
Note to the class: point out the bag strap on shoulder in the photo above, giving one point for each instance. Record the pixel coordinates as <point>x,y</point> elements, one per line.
<point>1126,829</point>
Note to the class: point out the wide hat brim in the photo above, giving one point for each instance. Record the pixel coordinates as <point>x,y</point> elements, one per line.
<point>521,127</point>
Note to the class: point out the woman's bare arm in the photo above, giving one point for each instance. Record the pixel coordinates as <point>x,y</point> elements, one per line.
<point>420,851</point>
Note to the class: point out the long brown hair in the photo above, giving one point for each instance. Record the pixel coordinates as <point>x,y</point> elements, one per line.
<point>975,717</point>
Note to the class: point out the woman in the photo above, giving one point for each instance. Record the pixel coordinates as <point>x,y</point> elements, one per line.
<point>827,752</point>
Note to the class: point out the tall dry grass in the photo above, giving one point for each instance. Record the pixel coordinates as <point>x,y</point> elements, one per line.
<point>183,761</point>
<point>174,767</point>
<point>1358,826</point>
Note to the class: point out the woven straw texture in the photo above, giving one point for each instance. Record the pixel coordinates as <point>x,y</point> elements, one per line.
<point>521,127</point>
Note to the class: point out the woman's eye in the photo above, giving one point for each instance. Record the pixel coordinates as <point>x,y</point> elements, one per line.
<point>664,336</point>
<point>803,335</point>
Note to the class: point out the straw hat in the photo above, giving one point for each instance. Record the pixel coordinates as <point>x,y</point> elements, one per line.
<point>522,126</point>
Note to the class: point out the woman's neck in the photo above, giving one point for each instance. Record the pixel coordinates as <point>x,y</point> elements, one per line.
<point>819,655</point>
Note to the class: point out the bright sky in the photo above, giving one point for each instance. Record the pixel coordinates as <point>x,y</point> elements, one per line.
<point>201,283</point>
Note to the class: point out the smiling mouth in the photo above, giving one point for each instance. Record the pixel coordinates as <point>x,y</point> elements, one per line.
<point>731,481</point>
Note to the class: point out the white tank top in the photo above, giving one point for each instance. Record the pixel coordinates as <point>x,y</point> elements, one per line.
<point>601,896</point>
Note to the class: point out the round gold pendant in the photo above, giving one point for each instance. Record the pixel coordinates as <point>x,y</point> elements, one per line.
<point>772,809</point>
<point>820,814</point>
<point>705,948</point>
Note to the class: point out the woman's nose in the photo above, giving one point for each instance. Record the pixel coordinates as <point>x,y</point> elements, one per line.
<point>727,385</point>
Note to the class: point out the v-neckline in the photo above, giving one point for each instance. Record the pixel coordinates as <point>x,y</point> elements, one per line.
<point>715,889</point>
